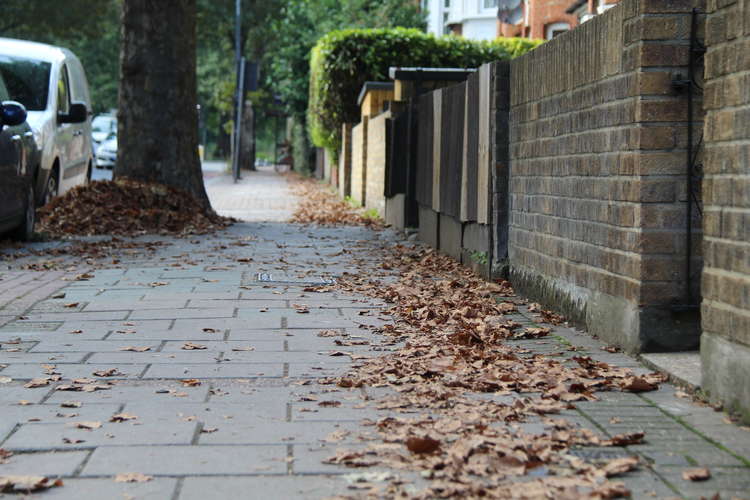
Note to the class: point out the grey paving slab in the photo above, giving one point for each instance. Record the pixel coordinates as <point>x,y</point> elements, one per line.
<point>72,316</point>
<point>55,413</point>
<point>41,357</point>
<point>158,392</point>
<point>137,432</point>
<point>90,334</point>
<point>71,371</point>
<point>128,305</point>
<point>206,371</point>
<point>249,410</point>
<point>140,358</point>
<point>53,463</point>
<point>14,392</point>
<point>262,487</point>
<point>225,312</point>
<point>74,345</point>
<point>77,489</point>
<point>317,370</point>
<point>188,460</point>
<point>277,303</point>
<point>269,320</point>
<point>227,346</point>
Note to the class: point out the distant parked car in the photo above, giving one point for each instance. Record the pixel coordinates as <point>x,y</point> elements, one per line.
<point>103,128</point>
<point>106,153</point>
<point>18,159</point>
<point>50,82</point>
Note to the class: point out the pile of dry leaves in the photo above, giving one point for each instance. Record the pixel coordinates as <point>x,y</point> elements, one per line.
<point>321,206</point>
<point>126,208</point>
<point>473,393</point>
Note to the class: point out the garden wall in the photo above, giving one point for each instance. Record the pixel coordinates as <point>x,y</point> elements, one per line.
<point>597,187</point>
<point>725,343</point>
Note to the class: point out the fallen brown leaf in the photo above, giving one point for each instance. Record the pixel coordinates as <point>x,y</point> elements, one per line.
<point>422,444</point>
<point>190,346</point>
<point>132,477</point>
<point>698,474</point>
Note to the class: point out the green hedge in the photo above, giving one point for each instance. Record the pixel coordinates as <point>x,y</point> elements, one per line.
<point>342,61</point>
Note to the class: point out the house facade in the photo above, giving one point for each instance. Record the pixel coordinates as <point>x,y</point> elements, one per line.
<point>539,19</point>
<point>474,19</point>
<point>489,19</point>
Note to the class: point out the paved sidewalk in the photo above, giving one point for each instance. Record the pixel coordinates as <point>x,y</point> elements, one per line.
<point>260,195</point>
<point>201,357</point>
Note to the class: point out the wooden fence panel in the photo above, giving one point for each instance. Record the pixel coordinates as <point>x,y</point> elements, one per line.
<point>395,174</point>
<point>425,133</point>
<point>483,169</point>
<point>452,148</point>
<point>471,151</point>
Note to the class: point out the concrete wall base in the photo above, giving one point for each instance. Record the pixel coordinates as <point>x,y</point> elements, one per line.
<point>395,211</point>
<point>451,235</point>
<point>724,366</point>
<point>429,224</point>
<point>613,319</point>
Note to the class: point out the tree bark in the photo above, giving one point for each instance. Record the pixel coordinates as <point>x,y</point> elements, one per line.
<point>158,117</point>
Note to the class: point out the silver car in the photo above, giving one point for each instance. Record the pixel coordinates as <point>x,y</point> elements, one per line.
<point>50,82</point>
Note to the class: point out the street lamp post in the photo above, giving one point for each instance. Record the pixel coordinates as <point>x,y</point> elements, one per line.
<point>238,89</point>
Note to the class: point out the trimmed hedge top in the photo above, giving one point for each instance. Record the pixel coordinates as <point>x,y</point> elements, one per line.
<point>342,61</point>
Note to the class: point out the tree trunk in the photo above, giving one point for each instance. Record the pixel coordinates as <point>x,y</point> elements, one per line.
<point>158,116</point>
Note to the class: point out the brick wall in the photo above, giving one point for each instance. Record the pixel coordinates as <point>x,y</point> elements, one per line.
<point>597,180</point>
<point>377,156</point>
<point>359,161</point>
<point>725,343</point>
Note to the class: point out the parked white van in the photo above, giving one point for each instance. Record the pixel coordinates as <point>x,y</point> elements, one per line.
<point>50,82</point>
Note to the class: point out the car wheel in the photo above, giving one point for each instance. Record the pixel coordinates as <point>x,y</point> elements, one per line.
<point>52,188</point>
<point>26,230</point>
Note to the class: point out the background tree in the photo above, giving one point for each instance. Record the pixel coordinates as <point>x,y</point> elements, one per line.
<point>157,116</point>
<point>297,29</point>
<point>89,29</point>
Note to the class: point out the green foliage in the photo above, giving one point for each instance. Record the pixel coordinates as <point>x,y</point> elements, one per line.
<point>303,22</point>
<point>343,60</point>
<point>479,257</point>
<point>90,29</point>
<point>371,213</point>
<point>47,21</point>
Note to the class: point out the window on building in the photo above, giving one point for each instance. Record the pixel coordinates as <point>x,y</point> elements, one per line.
<point>489,4</point>
<point>447,4</point>
<point>555,29</point>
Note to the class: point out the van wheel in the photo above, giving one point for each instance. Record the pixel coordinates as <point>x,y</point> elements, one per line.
<point>52,188</point>
<point>25,231</point>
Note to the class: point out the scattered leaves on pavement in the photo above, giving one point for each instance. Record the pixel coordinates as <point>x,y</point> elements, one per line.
<point>456,341</point>
<point>321,206</point>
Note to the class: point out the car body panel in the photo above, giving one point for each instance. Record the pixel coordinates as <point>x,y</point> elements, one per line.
<point>18,155</point>
<point>68,145</point>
